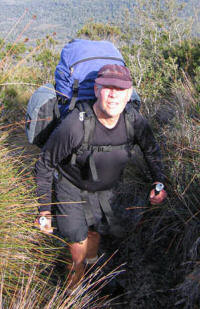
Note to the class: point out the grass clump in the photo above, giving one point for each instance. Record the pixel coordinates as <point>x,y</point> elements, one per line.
<point>19,241</point>
<point>28,270</point>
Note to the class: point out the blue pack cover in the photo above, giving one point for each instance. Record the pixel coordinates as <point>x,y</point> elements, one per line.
<point>94,55</point>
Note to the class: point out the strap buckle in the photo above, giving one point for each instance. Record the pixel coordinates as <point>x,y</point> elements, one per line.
<point>106,148</point>
<point>82,116</point>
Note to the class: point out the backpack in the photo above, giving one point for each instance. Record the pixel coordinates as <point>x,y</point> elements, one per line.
<point>74,81</point>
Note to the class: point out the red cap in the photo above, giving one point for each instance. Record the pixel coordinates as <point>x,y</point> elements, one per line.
<point>114,75</point>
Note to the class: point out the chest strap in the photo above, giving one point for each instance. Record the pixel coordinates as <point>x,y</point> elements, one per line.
<point>92,149</point>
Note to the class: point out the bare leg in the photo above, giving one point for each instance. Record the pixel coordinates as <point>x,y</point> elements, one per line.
<point>87,248</point>
<point>78,252</point>
<point>92,244</point>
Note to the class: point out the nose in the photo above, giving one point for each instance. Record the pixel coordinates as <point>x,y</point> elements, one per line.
<point>113,92</point>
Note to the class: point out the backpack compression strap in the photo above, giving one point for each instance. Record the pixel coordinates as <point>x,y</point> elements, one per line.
<point>75,95</point>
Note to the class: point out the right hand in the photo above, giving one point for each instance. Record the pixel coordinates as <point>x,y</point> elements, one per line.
<point>47,229</point>
<point>159,198</point>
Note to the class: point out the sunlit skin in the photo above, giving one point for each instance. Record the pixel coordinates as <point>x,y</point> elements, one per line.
<point>110,103</point>
<point>157,199</point>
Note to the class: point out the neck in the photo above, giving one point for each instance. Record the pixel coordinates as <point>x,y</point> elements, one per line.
<point>108,122</point>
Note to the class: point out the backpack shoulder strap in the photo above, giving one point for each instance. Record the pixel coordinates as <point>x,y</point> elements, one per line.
<point>89,123</point>
<point>86,114</point>
<point>129,116</point>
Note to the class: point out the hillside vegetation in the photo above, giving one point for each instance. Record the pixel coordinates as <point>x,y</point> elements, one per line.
<point>66,17</point>
<point>161,245</point>
<point>63,17</point>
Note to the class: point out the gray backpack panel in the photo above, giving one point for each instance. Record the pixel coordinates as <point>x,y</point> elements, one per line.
<point>41,109</point>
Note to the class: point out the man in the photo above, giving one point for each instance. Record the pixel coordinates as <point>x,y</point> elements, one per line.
<point>83,187</point>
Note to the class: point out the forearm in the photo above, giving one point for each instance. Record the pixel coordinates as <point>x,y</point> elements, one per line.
<point>44,180</point>
<point>58,147</point>
<point>154,162</point>
<point>45,213</point>
<point>150,149</point>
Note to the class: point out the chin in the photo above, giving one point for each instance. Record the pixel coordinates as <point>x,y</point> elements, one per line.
<point>115,111</point>
<point>112,115</point>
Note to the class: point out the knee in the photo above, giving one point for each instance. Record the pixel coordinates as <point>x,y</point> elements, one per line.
<point>94,236</point>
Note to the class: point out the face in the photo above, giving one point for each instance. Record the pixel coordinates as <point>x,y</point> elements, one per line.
<point>111,101</point>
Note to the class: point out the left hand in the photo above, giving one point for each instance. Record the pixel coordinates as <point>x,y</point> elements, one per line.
<point>47,229</point>
<point>157,199</point>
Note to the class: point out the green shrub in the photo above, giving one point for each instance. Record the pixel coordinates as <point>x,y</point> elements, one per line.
<point>99,31</point>
<point>47,58</point>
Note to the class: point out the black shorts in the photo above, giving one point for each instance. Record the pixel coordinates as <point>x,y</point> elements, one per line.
<point>70,211</point>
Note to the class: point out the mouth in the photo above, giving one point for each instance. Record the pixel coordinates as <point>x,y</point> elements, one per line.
<point>112,104</point>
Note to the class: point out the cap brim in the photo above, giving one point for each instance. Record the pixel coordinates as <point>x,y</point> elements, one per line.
<point>113,82</point>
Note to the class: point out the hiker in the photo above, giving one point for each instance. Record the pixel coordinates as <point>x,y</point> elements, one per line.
<point>89,155</point>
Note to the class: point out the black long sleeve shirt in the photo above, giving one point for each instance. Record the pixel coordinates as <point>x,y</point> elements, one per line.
<point>67,137</point>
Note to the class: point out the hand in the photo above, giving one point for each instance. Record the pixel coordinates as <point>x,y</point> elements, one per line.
<point>156,199</point>
<point>47,229</point>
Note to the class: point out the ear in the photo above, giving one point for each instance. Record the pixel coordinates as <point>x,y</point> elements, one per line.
<point>96,90</point>
<point>129,93</point>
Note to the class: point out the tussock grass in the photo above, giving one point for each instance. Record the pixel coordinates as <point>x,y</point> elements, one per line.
<point>22,247</point>
<point>36,294</point>
<point>17,206</point>
<point>28,258</point>
<point>181,147</point>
